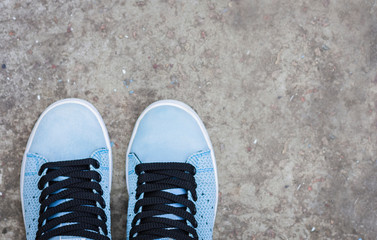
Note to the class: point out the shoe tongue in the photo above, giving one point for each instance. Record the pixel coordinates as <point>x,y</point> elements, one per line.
<point>68,238</point>
<point>56,203</point>
<point>175,191</point>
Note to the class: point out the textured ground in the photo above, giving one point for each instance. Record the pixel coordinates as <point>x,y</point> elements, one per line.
<point>287,90</point>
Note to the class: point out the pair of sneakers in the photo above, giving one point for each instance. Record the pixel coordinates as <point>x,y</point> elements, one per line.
<point>67,170</point>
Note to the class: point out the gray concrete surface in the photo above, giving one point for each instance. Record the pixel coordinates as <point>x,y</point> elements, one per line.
<point>287,90</point>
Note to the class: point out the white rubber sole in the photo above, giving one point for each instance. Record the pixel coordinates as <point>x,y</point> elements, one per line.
<point>52,106</point>
<point>189,110</point>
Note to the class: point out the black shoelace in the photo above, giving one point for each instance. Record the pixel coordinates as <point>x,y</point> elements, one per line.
<point>80,191</point>
<point>153,181</point>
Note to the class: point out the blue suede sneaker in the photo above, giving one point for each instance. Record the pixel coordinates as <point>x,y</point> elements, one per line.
<point>66,174</point>
<point>171,175</point>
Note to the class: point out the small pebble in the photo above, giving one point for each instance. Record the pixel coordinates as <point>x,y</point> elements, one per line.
<point>39,97</point>
<point>325,47</point>
<point>40,79</point>
<point>115,89</point>
<point>3,66</point>
<point>255,141</point>
<point>313,229</point>
<point>124,71</point>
